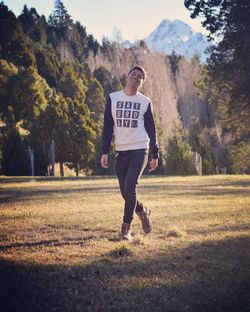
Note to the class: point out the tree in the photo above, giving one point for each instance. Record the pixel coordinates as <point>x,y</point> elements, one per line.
<point>24,98</point>
<point>200,142</point>
<point>48,66</point>
<point>92,45</point>
<point>82,133</point>
<point>60,17</point>
<point>15,160</point>
<point>179,158</point>
<point>109,83</point>
<point>227,76</point>
<point>60,27</point>
<point>105,78</point>
<point>34,26</point>
<point>52,125</point>
<point>240,158</point>
<point>13,46</point>
<point>174,61</point>
<point>7,71</point>
<point>26,93</point>
<point>70,84</point>
<point>95,99</point>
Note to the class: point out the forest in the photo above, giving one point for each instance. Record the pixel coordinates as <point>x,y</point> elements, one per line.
<point>55,77</point>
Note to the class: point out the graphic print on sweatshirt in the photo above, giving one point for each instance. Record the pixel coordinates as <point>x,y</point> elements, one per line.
<point>127,114</point>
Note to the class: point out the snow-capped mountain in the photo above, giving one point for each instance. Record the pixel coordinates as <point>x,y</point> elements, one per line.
<point>179,37</point>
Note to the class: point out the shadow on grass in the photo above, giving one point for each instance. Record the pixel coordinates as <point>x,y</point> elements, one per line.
<point>220,229</point>
<point>203,278</point>
<point>46,243</point>
<point>47,179</point>
<point>8,195</point>
<point>62,242</point>
<point>15,195</point>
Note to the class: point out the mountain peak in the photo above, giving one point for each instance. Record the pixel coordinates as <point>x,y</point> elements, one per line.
<point>179,37</point>
<point>164,22</point>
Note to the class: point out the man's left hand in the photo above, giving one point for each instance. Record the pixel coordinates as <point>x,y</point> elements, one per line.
<point>153,165</point>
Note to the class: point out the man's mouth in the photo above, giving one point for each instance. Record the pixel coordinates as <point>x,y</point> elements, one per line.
<point>134,79</point>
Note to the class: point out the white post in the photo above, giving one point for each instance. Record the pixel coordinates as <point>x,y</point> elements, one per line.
<point>198,163</point>
<point>31,153</point>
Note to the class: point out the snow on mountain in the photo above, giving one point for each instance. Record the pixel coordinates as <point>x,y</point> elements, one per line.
<point>179,37</point>
<point>127,44</point>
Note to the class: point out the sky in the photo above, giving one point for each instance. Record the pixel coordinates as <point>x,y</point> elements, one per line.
<point>134,19</point>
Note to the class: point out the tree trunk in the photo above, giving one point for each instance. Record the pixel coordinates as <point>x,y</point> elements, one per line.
<point>61,169</point>
<point>52,152</point>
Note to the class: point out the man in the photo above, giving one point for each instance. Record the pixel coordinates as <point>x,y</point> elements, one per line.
<point>128,115</point>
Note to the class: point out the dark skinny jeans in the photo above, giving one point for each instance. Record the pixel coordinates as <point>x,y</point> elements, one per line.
<point>129,167</point>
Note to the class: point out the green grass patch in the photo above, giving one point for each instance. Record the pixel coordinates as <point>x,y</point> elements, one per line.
<point>121,251</point>
<point>176,233</point>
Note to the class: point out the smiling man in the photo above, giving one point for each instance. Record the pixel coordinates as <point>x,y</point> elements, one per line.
<point>128,115</point>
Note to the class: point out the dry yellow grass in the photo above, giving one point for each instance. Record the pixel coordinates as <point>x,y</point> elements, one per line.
<point>60,247</point>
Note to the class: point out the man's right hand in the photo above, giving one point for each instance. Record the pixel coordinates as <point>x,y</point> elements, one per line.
<point>104,161</point>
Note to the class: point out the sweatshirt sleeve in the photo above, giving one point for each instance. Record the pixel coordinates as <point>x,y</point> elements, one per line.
<point>151,131</point>
<point>107,127</point>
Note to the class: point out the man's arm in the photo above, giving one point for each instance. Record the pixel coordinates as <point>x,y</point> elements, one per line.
<point>107,133</point>
<point>151,131</point>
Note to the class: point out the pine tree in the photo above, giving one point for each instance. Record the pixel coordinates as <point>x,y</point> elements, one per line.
<point>179,158</point>
<point>227,76</point>
<point>48,66</point>
<point>60,17</point>
<point>53,125</point>
<point>174,60</point>
<point>200,142</point>
<point>105,78</point>
<point>82,133</point>
<point>239,157</point>
<point>33,25</point>
<point>27,95</point>
<point>71,84</point>
<point>15,159</point>
<point>12,40</point>
<point>95,99</point>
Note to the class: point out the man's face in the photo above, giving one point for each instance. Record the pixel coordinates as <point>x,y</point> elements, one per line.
<point>135,78</point>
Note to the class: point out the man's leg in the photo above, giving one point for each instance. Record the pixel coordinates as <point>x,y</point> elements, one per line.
<point>137,162</point>
<point>122,164</point>
<point>121,167</point>
<point>139,206</point>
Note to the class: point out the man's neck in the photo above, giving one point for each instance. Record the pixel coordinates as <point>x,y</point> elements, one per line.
<point>130,91</point>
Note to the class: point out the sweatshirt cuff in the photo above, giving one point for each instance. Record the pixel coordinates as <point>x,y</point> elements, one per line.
<point>155,154</point>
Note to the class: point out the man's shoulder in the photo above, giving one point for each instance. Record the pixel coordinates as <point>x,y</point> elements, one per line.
<point>144,97</point>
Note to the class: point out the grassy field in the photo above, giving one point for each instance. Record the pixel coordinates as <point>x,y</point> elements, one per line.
<point>60,248</point>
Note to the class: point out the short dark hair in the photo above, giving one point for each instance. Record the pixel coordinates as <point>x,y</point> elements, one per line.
<point>139,68</point>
